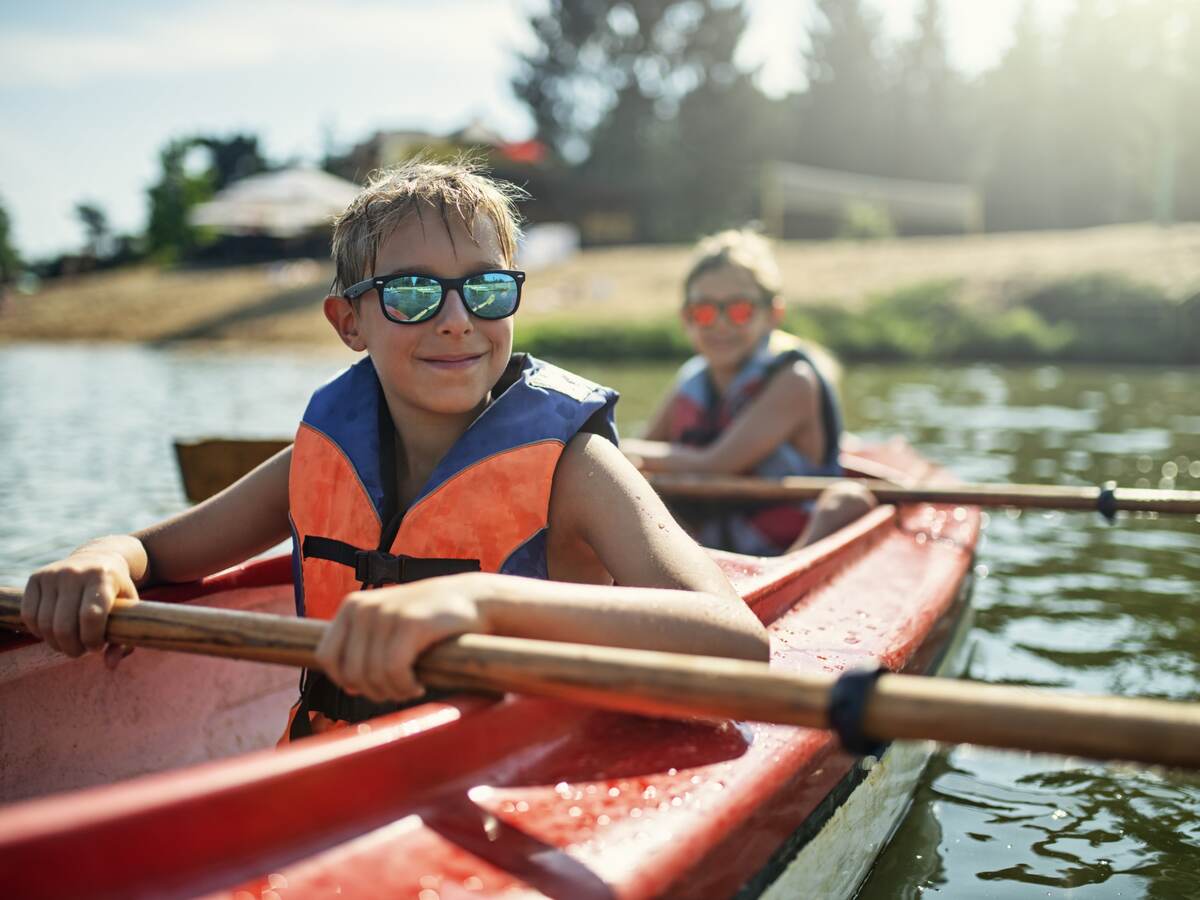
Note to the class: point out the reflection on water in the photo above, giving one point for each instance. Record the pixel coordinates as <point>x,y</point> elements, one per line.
<point>1066,601</point>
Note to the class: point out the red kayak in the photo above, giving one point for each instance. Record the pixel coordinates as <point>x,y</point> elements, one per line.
<point>161,778</point>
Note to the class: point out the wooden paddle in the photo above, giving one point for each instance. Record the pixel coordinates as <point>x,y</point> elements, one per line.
<point>210,465</point>
<point>737,489</point>
<point>638,681</point>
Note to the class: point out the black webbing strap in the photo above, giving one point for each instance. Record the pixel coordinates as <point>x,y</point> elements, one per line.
<point>375,567</point>
<point>1106,502</point>
<point>848,704</point>
<point>319,694</point>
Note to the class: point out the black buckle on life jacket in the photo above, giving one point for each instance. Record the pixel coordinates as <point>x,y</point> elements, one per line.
<point>377,567</point>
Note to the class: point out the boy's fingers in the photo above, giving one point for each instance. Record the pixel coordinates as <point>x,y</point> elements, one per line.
<point>113,654</point>
<point>354,655</point>
<point>375,670</point>
<point>66,623</point>
<point>329,650</point>
<point>401,682</point>
<point>30,601</point>
<point>125,587</point>
<point>45,615</point>
<point>93,614</point>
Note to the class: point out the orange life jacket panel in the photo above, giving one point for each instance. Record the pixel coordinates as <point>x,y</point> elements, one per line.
<point>485,507</point>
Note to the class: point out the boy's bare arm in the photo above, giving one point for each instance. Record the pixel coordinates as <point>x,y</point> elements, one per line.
<point>674,598</point>
<point>67,602</point>
<point>787,409</point>
<point>599,496</point>
<point>248,517</point>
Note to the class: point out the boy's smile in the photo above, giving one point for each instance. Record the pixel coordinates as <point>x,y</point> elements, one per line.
<point>446,365</point>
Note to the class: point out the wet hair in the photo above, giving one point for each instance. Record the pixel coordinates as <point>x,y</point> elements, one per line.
<point>740,248</point>
<point>429,190</point>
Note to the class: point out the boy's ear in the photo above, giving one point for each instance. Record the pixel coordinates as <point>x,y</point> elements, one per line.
<point>342,316</point>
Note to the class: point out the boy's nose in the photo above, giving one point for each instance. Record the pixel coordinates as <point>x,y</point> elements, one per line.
<point>454,318</point>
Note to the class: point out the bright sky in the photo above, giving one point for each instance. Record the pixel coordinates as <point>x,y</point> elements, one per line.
<point>89,91</point>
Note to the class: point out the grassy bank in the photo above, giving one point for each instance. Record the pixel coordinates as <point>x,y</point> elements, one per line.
<point>997,296</point>
<point>1097,318</point>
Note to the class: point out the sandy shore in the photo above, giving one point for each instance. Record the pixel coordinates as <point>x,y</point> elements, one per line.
<point>281,303</point>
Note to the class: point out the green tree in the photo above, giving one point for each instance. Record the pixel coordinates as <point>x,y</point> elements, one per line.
<point>95,226</point>
<point>839,121</point>
<point>10,261</point>
<point>231,158</point>
<point>607,86</point>
<point>169,233</point>
<point>928,102</point>
<point>1015,127</point>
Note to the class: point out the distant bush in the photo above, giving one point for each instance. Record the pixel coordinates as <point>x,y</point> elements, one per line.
<point>1113,317</point>
<point>865,222</point>
<point>571,338</point>
<point>1093,318</point>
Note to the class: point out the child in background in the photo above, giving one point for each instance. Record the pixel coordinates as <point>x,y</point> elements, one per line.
<point>462,475</point>
<point>753,401</point>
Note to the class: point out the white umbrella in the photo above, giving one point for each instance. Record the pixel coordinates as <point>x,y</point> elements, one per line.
<point>280,204</point>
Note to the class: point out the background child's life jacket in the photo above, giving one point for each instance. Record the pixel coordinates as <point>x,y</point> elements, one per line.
<point>697,416</point>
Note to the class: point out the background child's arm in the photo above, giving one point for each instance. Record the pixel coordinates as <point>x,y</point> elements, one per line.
<point>788,409</point>
<point>67,602</point>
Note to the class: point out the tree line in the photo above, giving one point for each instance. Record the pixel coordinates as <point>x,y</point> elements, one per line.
<point>1091,122</point>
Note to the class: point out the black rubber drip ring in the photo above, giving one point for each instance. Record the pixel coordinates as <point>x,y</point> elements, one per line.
<point>848,705</point>
<point>1106,503</point>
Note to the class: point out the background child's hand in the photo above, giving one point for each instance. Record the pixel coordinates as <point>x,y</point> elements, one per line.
<point>67,603</point>
<point>377,635</point>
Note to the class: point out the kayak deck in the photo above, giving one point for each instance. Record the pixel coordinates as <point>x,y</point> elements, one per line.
<point>478,796</point>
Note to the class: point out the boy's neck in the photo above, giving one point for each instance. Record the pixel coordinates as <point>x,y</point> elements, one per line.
<point>426,438</point>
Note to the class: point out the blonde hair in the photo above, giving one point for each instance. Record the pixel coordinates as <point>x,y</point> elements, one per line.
<point>746,249</point>
<point>460,186</point>
<point>741,248</point>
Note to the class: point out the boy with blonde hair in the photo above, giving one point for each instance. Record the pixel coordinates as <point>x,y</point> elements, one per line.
<point>434,486</point>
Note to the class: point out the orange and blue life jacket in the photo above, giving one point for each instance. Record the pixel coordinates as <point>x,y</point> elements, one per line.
<point>697,415</point>
<point>484,508</point>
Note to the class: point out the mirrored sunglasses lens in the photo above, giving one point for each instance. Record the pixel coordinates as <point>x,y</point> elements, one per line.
<point>703,314</point>
<point>411,298</point>
<point>492,295</point>
<point>740,312</point>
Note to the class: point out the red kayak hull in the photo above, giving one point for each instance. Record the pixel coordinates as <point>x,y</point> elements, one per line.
<point>521,796</point>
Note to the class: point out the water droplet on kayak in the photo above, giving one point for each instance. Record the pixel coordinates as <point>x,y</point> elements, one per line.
<point>473,883</point>
<point>574,812</point>
<point>614,792</point>
<point>672,771</point>
<point>635,813</point>
<point>429,881</point>
<point>648,793</point>
<point>562,789</point>
<point>277,880</point>
<point>428,895</point>
<point>522,806</point>
<point>602,819</point>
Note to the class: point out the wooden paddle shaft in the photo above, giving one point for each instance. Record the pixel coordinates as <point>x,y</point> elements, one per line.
<point>736,489</point>
<point>654,683</point>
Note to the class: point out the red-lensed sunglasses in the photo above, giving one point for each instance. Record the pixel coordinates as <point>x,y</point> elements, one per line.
<point>704,313</point>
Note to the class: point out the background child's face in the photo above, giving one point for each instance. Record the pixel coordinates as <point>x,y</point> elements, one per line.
<point>724,344</point>
<point>448,364</point>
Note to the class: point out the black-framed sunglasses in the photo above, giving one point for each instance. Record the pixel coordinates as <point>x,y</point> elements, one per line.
<point>409,298</point>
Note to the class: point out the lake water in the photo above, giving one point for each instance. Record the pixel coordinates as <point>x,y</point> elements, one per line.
<point>1064,600</point>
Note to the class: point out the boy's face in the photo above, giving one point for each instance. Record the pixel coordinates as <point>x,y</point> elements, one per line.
<point>725,344</point>
<point>448,364</point>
